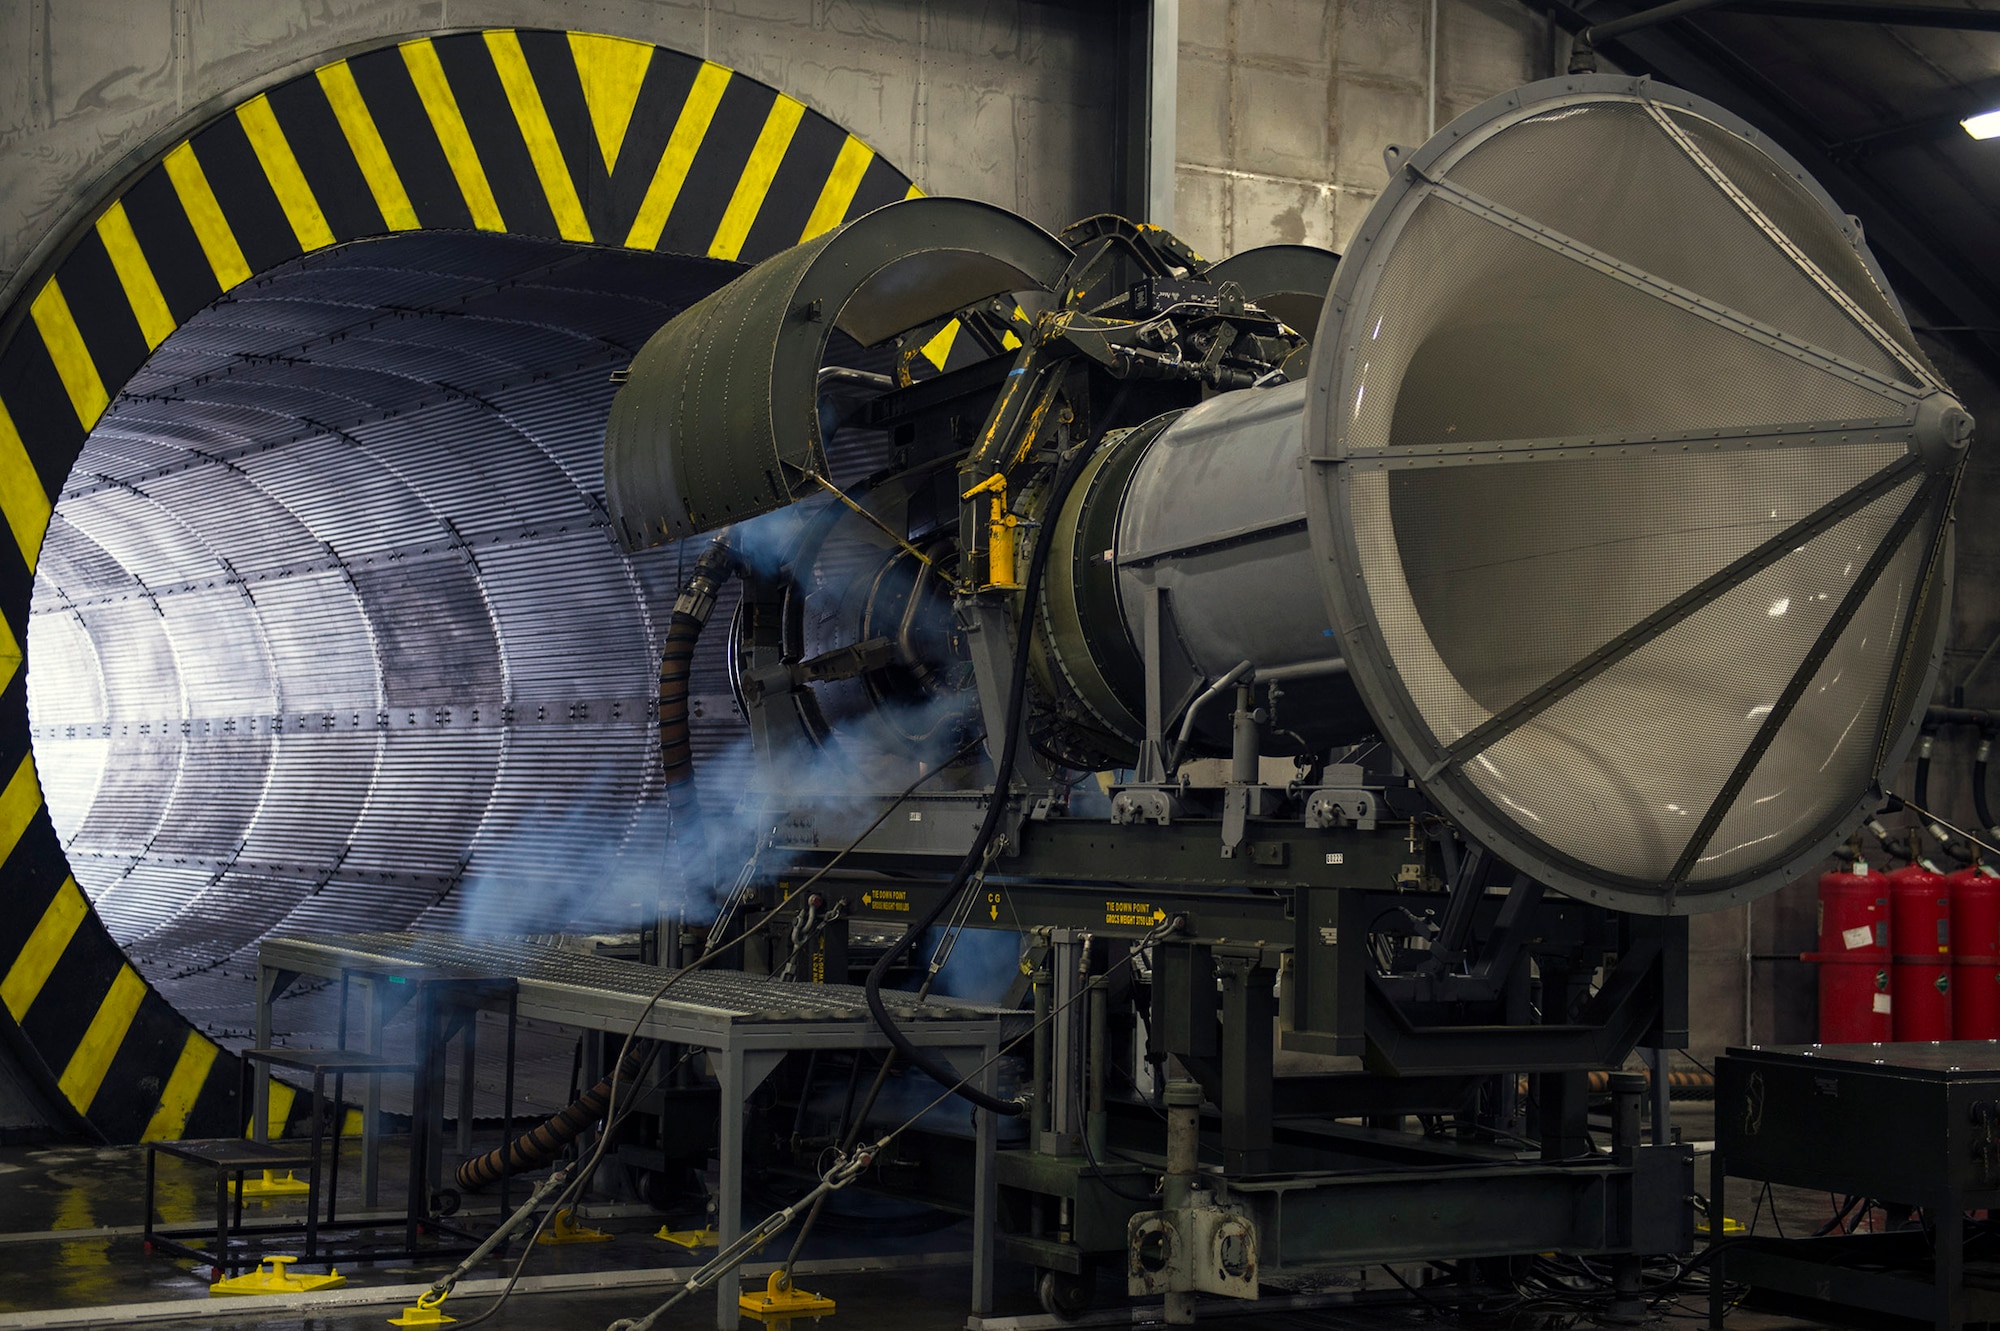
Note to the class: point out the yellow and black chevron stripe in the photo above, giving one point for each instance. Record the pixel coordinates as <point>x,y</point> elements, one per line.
<point>564,135</point>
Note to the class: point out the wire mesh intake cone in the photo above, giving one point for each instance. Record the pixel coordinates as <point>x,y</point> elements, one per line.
<point>1630,490</point>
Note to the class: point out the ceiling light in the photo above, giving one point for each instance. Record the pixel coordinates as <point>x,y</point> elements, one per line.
<point>1985,125</point>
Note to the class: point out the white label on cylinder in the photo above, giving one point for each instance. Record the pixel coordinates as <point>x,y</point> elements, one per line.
<point>1859,936</point>
<point>1881,1002</point>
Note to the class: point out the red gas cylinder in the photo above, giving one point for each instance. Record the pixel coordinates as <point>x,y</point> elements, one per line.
<point>1975,953</point>
<point>1920,927</point>
<point>1853,957</point>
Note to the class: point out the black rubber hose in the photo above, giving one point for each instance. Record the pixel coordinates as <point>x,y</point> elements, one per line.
<point>996,807</point>
<point>546,1140</point>
<point>691,611</point>
<point>543,1142</point>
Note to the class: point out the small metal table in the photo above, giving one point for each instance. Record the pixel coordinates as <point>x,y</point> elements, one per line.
<point>341,1063</point>
<point>230,1158</point>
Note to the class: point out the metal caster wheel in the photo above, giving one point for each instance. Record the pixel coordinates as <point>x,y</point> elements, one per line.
<point>1064,1295</point>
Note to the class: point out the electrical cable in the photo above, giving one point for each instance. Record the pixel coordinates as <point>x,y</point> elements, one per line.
<point>996,807</point>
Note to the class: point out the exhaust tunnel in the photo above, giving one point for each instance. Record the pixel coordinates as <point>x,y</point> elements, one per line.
<point>324,624</point>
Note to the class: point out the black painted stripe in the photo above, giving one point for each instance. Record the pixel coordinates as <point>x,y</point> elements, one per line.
<point>75,989</point>
<point>326,159</point>
<point>262,230</point>
<point>552,65</point>
<point>496,135</point>
<point>405,127</point>
<point>171,247</point>
<point>138,1072</point>
<point>795,189</point>
<point>717,167</point>
<point>669,79</point>
<point>103,312</point>
<point>880,184</point>
<point>218,1109</point>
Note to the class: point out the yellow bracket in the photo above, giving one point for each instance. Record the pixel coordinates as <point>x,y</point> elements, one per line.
<point>1728,1227</point>
<point>424,1312</point>
<point>564,1229</point>
<point>273,1186</point>
<point>275,1277</point>
<point>690,1238</point>
<point>778,1303</point>
<point>1000,525</point>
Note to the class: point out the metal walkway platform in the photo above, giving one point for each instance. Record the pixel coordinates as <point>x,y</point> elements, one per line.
<point>713,1009</point>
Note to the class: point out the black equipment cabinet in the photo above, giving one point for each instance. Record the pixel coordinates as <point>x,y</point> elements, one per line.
<point>1913,1126</point>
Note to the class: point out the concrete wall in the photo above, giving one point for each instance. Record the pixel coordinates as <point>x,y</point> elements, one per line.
<point>1007,101</point>
<point>1286,105</point>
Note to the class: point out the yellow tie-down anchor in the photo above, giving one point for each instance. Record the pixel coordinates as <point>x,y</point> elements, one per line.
<point>778,1303</point>
<point>274,1276</point>
<point>272,1186</point>
<point>1000,524</point>
<point>690,1238</point>
<point>424,1312</point>
<point>565,1229</point>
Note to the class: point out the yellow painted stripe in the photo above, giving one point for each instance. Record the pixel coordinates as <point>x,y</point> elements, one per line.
<point>19,803</point>
<point>211,228</point>
<point>72,357</point>
<point>281,168</point>
<point>938,350</point>
<point>913,193</point>
<point>611,70</point>
<point>92,1059</point>
<point>442,107</point>
<point>22,497</point>
<point>10,653</point>
<point>697,113</point>
<point>755,182</point>
<point>43,949</point>
<point>135,275</point>
<point>543,150</point>
<point>837,196</point>
<point>365,142</point>
<point>190,1072</point>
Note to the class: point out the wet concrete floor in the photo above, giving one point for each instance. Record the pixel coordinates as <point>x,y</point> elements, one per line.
<point>70,1239</point>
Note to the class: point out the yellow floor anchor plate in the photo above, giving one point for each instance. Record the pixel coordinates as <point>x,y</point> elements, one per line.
<point>273,1186</point>
<point>689,1238</point>
<point>564,1229</point>
<point>275,1277</point>
<point>778,1302</point>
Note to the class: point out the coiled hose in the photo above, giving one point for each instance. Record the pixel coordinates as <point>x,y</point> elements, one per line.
<point>546,1140</point>
<point>996,807</point>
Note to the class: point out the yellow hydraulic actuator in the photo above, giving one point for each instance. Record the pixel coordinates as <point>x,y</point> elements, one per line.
<point>1001,573</point>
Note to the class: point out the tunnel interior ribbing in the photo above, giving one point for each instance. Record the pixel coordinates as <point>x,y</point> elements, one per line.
<point>330,630</point>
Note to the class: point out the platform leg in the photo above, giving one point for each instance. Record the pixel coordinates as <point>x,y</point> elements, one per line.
<point>985,1186</point>
<point>467,1051</point>
<point>729,1209</point>
<point>260,1078</point>
<point>1718,1187</point>
<point>371,1102</point>
<point>1951,1264</point>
